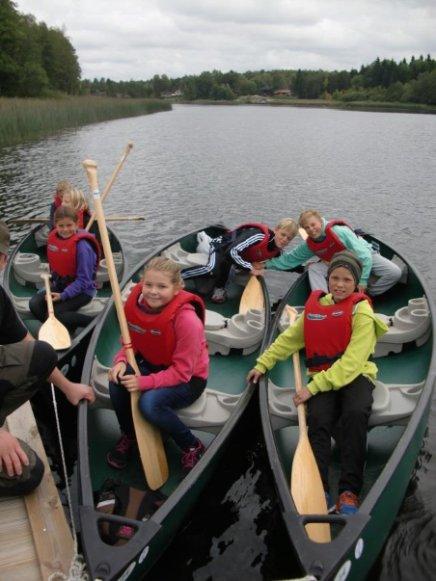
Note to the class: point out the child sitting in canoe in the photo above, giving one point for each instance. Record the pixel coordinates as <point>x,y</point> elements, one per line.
<point>73,257</point>
<point>166,325</point>
<point>339,332</point>
<point>76,200</point>
<point>61,188</point>
<point>326,239</point>
<point>245,248</point>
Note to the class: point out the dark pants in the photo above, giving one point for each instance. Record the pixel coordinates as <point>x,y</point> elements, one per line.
<point>345,412</point>
<point>24,369</point>
<point>65,311</point>
<point>157,406</point>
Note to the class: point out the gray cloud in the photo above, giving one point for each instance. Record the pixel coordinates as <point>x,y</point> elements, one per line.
<point>136,39</point>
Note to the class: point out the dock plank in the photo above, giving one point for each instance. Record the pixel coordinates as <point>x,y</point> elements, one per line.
<point>51,537</point>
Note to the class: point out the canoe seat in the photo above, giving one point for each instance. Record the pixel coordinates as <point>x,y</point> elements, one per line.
<point>393,404</point>
<point>208,413</point>
<point>184,258</point>
<point>28,268</point>
<point>102,271</point>
<point>241,331</point>
<point>409,323</point>
<point>41,236</point>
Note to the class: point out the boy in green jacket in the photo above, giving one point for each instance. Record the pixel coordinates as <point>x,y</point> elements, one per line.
<point>339,331</point>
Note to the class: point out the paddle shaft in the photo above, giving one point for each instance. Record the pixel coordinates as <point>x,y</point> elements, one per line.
<point>45,276</point>
<point>148,437</point>
<point>110,183</point>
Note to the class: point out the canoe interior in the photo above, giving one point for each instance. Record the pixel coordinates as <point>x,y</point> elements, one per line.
<point>27,290</point>
<point>410,366</point>
<point>227,375</point>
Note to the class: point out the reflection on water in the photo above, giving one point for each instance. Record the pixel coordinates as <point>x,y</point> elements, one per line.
<point>198,165</point>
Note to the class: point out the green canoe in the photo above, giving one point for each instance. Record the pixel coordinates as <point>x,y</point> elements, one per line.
<point>406,361</point>
<point>234,342</point>
<point>22,280</point>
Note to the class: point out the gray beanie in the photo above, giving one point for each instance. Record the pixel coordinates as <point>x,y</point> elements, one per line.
<point>4,238</point>
<point>349,261</point>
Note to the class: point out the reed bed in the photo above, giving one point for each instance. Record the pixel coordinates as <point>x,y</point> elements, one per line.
<point>24,119</point>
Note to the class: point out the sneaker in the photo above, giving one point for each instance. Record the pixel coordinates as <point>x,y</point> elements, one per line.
<point>219,295</point>
<point>191,456</point>
<point>119,456</point>
<point>348,503</point>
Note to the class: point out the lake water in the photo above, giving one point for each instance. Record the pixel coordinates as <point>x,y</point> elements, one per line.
<point>202,164</point>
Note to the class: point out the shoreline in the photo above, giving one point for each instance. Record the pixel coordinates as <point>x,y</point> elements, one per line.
<point>382,107</point>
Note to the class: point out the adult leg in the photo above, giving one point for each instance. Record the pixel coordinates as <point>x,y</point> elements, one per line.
<point>158,405</point>
<point>318,275</point>
<point>24,368</point>
<point>322,412</point>
<point>387,272</point>
<point>356,402</point>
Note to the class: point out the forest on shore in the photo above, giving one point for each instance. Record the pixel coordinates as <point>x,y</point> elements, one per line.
<point>40,61</point>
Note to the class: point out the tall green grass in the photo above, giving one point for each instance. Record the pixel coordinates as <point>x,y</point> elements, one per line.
<point>24,119</point>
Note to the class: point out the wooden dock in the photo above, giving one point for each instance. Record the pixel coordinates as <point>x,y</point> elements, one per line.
<point>35,539</point>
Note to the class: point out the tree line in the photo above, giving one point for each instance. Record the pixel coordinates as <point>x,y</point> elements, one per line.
<point>412,81</point>
<point>35,60</point>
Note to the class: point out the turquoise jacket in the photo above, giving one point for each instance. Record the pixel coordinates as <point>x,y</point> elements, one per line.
<point>301,253</point>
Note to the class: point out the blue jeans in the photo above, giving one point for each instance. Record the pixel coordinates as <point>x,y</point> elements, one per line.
<point>157,406</point>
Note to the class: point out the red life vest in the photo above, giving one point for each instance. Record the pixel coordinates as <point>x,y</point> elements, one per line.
<point>62,252</point>
<point>260,251</point>
<point>153,335</point>
<point>81,215</point>
<point>57,201</point>
<point>327,329</point>
<point>331,244</point>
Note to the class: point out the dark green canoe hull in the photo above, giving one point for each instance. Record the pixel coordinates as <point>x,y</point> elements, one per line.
<point>98,430</point>
<point>392,450</point>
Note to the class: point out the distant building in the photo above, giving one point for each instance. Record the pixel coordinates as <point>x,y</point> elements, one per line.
<point>168,95</point>
<point>282,93</point>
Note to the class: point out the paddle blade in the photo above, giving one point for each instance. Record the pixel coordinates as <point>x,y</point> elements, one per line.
<point>252,297</point>
<point>53,332</point>
<point>150,446</point>
<point>307,490</point>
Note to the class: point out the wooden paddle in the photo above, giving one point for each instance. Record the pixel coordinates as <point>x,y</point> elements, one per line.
<point>148,436</point>
<point>52,331</point>
<point>110,182</point>
<point>252,297</point>
<point>306,484</point>
<point>46,219</point>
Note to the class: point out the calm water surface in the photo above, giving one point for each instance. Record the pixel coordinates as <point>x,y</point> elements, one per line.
<point>197,165</point>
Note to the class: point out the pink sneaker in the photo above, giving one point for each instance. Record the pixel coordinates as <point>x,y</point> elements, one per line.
<point>119,456</point>
<point>191,456</point>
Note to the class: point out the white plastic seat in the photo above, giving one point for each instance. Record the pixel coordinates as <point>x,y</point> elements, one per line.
<point>241,331</point>
<point>28,268</point>
<point>208,413</point>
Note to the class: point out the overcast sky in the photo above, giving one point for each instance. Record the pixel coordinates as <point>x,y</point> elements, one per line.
<point>136,39</point>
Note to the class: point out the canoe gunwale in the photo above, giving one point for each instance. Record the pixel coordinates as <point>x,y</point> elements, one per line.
<point>89,517</point>
<point>323,560</point>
